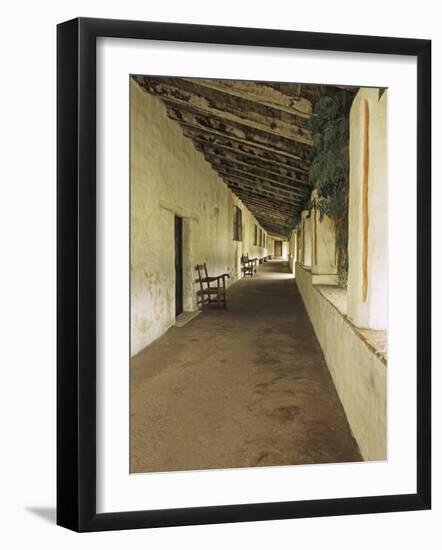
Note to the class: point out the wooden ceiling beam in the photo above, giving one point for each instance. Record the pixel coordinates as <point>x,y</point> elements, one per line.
<point>273,229</point>
<point>259,183</point>
<point>272,201</point>
<point>264,217</point>
<point>271,212</point>
<point>206,100</point>
<point>262,92</point>
<point>250,170</point>
<point>254,135</point>
<point>284,159</point>
<point>258,207</point>
<point>267,215</point>
<point>240,132</point>
<point>270,167</point>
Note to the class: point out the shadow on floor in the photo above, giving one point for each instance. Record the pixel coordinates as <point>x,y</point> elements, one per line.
<point>44,512</point>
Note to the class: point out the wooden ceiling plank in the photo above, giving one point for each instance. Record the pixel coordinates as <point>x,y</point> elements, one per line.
<point>274,188</point>
<point>285,159</point>
<point>274,213</point>
<point>251,170</point>
<point>261,92</point>
<point>272,201</point>
<point>238,132</point>
<point>202,100</point>
<point>229,154</point>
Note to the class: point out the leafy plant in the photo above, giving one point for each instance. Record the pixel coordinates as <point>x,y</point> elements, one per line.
<point>329,167</point>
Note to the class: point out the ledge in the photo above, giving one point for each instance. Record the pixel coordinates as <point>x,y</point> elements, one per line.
<point>376,340</point>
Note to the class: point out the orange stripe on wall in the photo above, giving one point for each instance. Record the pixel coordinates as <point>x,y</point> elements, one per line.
<point>303,241</point>
<point>365,220</point>
<point>316,239</point>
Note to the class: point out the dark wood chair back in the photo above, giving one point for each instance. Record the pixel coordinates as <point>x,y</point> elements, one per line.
<point>202,274</point>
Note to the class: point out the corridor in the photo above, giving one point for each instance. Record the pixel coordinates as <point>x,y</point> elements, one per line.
<point>242,387</point>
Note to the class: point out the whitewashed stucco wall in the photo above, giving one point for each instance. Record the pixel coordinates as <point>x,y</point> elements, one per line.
<point>371,311</point>
<point>168,177</point>
<point>360,377</point>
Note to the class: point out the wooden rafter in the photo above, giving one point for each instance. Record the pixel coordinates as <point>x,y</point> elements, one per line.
<point>253,134</point>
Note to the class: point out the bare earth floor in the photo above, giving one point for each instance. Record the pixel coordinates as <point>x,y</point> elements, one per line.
<point>241,387</point>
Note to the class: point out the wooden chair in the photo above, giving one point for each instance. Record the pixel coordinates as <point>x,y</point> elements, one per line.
<point>248,265</point>
<point>212,289</point>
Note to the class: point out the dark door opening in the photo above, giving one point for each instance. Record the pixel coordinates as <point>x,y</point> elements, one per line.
<point>178,265</point>
<point>278,249</point>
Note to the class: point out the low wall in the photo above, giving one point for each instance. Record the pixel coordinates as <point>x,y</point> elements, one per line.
<point>359,374</point>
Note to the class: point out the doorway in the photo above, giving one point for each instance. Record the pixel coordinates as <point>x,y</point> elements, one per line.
<point>178,265</point>
<point>278,249</point>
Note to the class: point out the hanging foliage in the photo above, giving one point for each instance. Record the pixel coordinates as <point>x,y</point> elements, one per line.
<point>329,168</point>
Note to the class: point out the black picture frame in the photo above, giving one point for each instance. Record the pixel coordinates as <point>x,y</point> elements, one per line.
<point>77,287</point>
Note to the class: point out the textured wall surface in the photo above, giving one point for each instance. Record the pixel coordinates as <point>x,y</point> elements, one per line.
<point>168,177</point>
<point>359,375</point>
<point>368,205</point>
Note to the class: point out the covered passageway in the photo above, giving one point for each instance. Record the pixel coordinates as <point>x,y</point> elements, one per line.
<point>279,189</point>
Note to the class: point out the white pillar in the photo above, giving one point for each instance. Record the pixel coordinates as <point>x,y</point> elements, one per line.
<point>294,250</point>
<point>306,239</point>
<point>367,245</point>
<point>324,254</point>
<point>299,245</point>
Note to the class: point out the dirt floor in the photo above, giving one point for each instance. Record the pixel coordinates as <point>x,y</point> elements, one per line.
<point>241,387</point>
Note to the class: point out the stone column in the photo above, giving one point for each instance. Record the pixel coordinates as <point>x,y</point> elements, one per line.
<point>367,246</point>
<point>324,254</point>
<point>306,235</point>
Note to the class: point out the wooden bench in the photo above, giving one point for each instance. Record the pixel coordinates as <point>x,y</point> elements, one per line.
<point>248,265</point>
<point>212,289</point>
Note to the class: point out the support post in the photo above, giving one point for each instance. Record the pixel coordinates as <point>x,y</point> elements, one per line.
<point>324,256</point>
<point>306,234</point>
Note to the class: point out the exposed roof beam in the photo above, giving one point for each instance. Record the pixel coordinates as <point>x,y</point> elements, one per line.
<point>276,230</point>
<point>259,183</point>
<point>250,170</point>
<point>257,210</point>
<point>285,159</point>
<point>206,100</point>
<point>264,207</point>
<point>253,134</point>
<point>270,167</point>
<point>240,132</point>
<point>261,92</point>
<point>275,201</point>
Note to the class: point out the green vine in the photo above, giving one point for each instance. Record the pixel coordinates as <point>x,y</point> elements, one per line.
<point>329,168</point>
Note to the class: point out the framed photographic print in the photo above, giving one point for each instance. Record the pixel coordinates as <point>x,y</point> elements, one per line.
<point>243,274</point>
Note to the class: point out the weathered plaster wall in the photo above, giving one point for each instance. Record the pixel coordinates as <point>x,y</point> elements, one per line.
<point>367,245</point>
<point>359,375</point>
<point>249,222</point>
<point>271,245</point>
<point>168,177</point>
